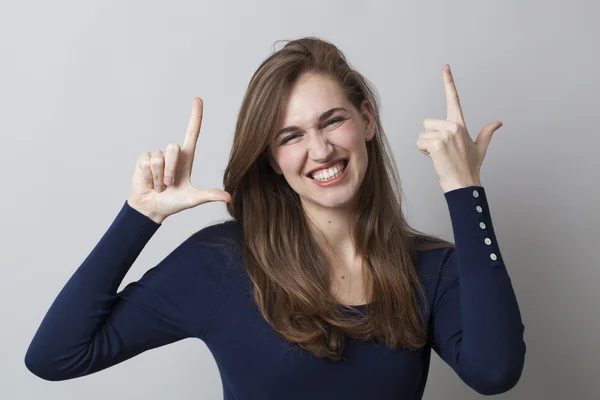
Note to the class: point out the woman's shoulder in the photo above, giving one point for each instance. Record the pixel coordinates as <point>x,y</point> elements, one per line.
<point>431,245</point>
<point>430,254</point>
<point>218,234</point>
<point>221,228</point>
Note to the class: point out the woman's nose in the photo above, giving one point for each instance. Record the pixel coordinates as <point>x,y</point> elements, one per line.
<point>319,146</point>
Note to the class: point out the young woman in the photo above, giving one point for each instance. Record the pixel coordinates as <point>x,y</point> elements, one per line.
<point>317,287</point>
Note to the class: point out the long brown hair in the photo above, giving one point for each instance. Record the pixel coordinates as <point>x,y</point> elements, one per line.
<point>289,271</point>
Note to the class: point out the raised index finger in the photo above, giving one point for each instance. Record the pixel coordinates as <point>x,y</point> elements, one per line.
<point>454,112</point>
<point>193,130</point>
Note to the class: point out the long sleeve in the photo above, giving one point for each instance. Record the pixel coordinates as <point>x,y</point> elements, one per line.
<point>90,326</point>
<point>477,326</point>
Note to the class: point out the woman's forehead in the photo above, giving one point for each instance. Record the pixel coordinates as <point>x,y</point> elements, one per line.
<point>309,98</point>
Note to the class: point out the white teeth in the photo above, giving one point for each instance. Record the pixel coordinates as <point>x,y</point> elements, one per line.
<point>330,173</point>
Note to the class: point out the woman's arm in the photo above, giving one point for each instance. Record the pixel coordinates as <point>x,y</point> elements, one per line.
<point>90,326</point>
<point>477,326</point>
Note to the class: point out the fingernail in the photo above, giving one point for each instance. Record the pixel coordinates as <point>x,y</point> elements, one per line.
<point>168,180</point>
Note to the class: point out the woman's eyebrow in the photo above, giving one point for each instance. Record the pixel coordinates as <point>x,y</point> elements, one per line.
<point>323,117</point>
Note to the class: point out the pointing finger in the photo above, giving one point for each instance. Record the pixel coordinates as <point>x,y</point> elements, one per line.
<point>193,130</point>
<point>454,112</point>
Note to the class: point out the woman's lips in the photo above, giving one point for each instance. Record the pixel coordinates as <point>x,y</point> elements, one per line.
<point>334,181</point>
<point>343,161</point>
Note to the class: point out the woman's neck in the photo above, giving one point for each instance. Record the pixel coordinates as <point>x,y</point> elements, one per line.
<point>336,226</point>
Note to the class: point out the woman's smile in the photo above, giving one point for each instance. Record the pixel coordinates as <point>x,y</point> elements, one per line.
<point>331,176</point>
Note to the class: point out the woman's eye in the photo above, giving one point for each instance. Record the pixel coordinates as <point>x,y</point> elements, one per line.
<point>289,138</point>
<point>334,120</point>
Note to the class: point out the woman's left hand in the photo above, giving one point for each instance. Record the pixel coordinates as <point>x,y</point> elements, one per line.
<point>456,158</point>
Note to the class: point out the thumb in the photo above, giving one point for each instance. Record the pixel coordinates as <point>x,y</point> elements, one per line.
<point>485,136</point>
<point>208,195</point>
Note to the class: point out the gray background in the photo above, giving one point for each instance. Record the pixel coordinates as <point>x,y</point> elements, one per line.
<point>85,87</point>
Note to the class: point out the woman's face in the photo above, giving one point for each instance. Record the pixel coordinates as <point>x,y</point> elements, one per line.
<point>312,137</point>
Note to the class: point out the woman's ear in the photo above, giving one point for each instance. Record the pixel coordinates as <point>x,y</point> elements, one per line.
<point>366,111</point>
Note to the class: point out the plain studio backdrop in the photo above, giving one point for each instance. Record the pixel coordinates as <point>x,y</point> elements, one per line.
<point>85,87</point>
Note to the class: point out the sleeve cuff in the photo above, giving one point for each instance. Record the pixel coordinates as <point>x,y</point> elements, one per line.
<point>474,234</point>
<point>130,213</point>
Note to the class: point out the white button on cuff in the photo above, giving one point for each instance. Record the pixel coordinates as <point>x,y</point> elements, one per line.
<point>493,257</point>
<point>479,209</point>
<point>482,225</point>
<point>488,241</point>
<point>475,193</point>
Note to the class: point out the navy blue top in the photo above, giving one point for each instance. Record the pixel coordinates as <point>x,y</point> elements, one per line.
<point>201,291</point>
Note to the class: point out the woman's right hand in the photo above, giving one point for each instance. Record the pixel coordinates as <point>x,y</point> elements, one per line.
<point>161,182</point>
